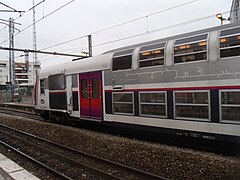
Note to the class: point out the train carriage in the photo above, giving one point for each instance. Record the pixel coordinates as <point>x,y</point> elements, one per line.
<point>187,85</point>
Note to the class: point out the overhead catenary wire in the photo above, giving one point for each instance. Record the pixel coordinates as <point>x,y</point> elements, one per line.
<point>25,12</point>
<point>148,32</point>
<point>121,24</point>
<point>49,14</point>
<point>13,10</point>
<point>159,29</point>
<point>42,52</point>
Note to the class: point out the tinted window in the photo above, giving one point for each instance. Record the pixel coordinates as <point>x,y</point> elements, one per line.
<point>191,51</point>
<point>153,104</point>
<point>230,106</point>
<point>191,39</point>
<point>152,55</point>
<point>42,87</point>
<point>123,62</point>
<point>57,82</point>
<point>191,105</point>
<point>123,103</point>
<point>84,88</point>
<point>153,46</point>
<point>230,46</point>
<point>95,88</point>
<point>230,31</point>
<point>74,80</point>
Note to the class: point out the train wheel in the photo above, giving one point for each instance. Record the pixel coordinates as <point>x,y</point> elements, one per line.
<point>45,115</point>
<point>64,118</point>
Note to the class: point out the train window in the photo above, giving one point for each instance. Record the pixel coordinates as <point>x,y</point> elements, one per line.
<point>230,106</point>
<point>152,55</point>
<point>95,88</point>
<point>84,88</point>
<point>42,86</point>
<point>153,104</point>
<point>190,49</point>
<point>57,82</point>
<point>123,103</point>
<point>74,80</point>
<point>75,101</point>
<point>230,43</point>
<point>122,60</point>
<point>192,105</point>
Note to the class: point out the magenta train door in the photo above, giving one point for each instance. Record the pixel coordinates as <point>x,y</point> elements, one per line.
<point>91,95</point>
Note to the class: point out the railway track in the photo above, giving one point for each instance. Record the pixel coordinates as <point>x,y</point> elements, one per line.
<point>218,148</point>
<point>20,113</point>
<point>65,162</point>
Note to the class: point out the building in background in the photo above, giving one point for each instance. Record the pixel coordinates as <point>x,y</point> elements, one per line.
<point>235,12</point>
<point>3,72</point>
<point>23,73</point>
<point>25,79</point>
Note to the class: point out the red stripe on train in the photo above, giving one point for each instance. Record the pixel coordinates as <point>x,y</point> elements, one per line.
<point>57,92</point>
<point>179,88</point>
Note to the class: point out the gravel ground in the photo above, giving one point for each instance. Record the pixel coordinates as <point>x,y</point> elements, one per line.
<point>166,161</point>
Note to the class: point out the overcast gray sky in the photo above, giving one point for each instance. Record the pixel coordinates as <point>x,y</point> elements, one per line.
<point>83,17</point>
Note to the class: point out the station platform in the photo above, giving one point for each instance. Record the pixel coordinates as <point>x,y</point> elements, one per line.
<point>19,106</point>
<point>9,170</point>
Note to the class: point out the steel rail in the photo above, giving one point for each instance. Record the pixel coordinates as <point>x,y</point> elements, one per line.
<point>65,159</point>
<point>20,113</point>
<point>34,160</point>
<point>144,174</point>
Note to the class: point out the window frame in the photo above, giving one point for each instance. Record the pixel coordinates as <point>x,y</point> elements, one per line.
<point>225,105</point>
<point>152,59</point>
<point>95,94</point>
<point>74,78</point>
<point>230,47</point>
<point>42,86</point>
<point>120,113</point>
<point>52,87</point>
<point>120,54</point>
<point>191,53</point>
<point>148,103</point>
<point>188,104</point>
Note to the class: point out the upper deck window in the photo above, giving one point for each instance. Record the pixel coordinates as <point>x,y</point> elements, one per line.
<point>122,60</point>
<point>191,49</point>
<point>230,43</point>
<point>152,55</point>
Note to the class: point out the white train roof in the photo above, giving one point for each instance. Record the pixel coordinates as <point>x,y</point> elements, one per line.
<point>95,63</point>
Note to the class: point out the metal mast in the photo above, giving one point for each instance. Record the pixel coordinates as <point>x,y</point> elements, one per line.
<point>11,58</point>
<point>11,52</point>
<point>34,42</point>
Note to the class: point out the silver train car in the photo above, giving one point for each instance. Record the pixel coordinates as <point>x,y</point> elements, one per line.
<point>186,85</point>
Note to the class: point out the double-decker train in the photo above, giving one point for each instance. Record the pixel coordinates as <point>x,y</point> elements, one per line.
<point>185,85</point>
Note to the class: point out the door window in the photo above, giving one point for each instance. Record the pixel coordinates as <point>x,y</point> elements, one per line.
<point>95,88</point>
<point>84,88</point>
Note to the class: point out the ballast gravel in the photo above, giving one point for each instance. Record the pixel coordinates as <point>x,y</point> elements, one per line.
<point>166,161</point>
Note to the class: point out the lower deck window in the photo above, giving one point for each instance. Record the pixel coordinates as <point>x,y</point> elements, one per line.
<point>153,104</point>
<point>123,103</point>
<point>192,105</point>
<point>230,106</point>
